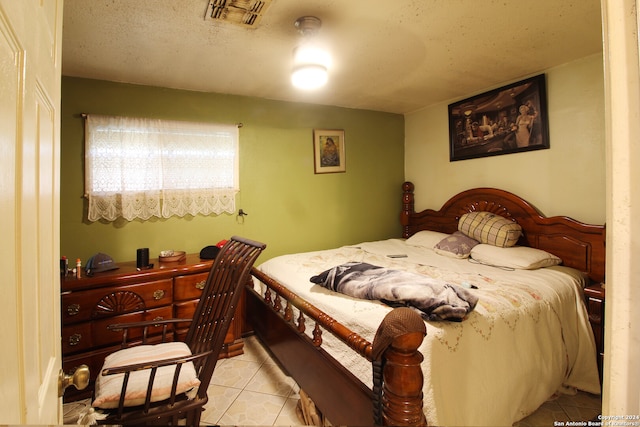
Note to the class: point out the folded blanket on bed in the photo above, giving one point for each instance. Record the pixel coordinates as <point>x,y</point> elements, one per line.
<point>434,299</point>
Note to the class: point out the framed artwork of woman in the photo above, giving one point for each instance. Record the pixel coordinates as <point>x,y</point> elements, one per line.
<point>329,151</point>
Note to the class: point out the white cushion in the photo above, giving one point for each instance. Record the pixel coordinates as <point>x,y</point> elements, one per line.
<point>108,387</point>
<point>516,257</point>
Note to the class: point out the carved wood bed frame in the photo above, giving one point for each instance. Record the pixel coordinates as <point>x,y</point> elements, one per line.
<point>344,399</point>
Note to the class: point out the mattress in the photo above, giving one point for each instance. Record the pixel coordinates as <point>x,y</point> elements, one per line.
<point>527,339</point>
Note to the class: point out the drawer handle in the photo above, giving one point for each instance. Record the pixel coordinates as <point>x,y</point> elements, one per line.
<point>159,294</point>
<point>73,309</point>
<point>75,339</point>
<point>158,319</point>
<point>200,284</point>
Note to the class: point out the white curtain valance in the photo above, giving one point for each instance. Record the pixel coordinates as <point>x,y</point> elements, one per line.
<point>140,168</point>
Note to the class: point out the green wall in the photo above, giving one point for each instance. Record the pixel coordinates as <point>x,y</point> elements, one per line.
<point>289,207</point>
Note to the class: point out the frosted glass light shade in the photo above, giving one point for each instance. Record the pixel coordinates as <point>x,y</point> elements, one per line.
<point>310,66</point>
<point>309,76</point>
<point>310,52</point>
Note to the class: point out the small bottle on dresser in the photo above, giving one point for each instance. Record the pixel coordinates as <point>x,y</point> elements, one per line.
<point>78,268</point>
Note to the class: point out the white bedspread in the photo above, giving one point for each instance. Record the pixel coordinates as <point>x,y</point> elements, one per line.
<point>528,337</point>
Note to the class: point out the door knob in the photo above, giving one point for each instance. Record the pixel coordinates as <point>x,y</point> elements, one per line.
<point>79,378</point>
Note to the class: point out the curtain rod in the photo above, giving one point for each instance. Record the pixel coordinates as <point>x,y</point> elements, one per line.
<point>84,116</point>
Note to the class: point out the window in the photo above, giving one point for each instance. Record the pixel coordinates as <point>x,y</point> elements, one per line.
<point>139,168</point>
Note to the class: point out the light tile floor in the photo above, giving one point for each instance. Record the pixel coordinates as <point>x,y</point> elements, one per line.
<point>582,407</point>
<point>252,390</point>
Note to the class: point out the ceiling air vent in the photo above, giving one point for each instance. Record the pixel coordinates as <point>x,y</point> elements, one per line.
<point>246,13</point>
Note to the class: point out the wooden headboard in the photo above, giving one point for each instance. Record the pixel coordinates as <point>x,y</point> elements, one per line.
<point>579,245</point>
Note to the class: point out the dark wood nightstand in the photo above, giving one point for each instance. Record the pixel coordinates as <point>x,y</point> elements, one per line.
<point>594,295</point>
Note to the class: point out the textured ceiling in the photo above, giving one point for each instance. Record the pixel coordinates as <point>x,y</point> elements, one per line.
<point>395,56</point>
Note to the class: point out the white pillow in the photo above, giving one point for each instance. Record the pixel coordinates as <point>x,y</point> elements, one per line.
<point>426,238</point>
<point>108,387</point>
<point>517,257</point>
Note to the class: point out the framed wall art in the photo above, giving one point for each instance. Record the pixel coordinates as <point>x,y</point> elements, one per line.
<point>329,151</point>
<point>506,120</point>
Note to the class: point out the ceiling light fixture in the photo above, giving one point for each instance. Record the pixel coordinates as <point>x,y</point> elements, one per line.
<point>310,60</point>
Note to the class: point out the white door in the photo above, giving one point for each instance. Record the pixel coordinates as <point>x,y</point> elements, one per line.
<point>30,70</point>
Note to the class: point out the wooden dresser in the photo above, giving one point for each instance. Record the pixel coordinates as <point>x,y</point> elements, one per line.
<point>89,304</point>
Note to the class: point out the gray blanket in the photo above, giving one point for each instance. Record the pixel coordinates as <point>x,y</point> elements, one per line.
<point>434,299</point>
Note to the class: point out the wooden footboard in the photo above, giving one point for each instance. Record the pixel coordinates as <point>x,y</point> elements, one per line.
<point>397,395</point>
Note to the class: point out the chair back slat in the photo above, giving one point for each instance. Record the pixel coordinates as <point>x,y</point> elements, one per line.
<point>212,318</point>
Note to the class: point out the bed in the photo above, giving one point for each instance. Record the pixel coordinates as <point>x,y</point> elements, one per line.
<point>527,338</point>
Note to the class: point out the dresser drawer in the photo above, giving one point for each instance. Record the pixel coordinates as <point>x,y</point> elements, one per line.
<point>103,336</point>
<point>185,310</point>
<point>76,338</point>
<point>110,301</point>
<point>189,286</point>
<point>93,334</point>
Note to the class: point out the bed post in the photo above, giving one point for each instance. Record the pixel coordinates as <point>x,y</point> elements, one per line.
<point>397,375</point>
<point>407,207</point>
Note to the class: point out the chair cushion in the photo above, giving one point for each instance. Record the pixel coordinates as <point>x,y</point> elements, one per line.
<point>108,387</point>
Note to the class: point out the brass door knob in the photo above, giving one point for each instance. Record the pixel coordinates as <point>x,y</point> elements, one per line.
<point>79,378</point>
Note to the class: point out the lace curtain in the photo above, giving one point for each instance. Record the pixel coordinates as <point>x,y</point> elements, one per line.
<point>140,168</point>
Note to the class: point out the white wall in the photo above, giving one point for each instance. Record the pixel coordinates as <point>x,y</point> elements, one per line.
<point>567,179</point>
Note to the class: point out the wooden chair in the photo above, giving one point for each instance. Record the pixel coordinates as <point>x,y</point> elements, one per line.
<point>164,391</point>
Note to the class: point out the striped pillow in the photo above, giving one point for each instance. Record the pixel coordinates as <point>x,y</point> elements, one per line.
<point>490,228</point>
<point>107,391</point>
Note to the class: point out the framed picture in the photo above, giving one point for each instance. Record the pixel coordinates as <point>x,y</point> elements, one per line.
<point>329,151</point>
<point>507,120</point>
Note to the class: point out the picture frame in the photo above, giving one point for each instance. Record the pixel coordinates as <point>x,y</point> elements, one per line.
<point>510,119</point>
<point>329,151</point>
